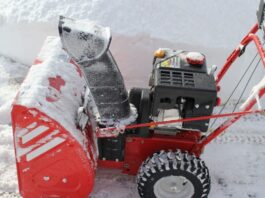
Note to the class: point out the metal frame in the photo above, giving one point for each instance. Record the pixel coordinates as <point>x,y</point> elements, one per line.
<point>137,149</point>
<point>251,36</point>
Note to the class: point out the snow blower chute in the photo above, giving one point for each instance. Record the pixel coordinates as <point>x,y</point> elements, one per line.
<point>73,114</point>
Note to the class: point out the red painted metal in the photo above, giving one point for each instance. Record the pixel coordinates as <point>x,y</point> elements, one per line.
<point>137,149</point>
<point>250,37</point>
<point>45,169</point>
<point>194,61</point>
<point>64,170</point>
<point>110,164</point>
<point>50,161</point>
<point>235,54</point>
<point>218,101</point>
<point>149,124</point>
<point>78,69</point>
<point>255,38</point>
<point>37,61</point>
<point>229,122</point>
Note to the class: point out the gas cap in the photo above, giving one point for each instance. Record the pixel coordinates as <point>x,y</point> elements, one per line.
<point>195,58</point>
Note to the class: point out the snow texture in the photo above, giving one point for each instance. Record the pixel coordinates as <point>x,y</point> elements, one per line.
<point>11,75</point>
<point>195,56</point>
<point>139,28</point>
<point>119,125</point>
<point>37,91</point>
<point>84,40</point>
<point>175,20</point>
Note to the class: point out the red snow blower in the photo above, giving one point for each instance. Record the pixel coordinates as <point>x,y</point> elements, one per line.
<point>73,114</point>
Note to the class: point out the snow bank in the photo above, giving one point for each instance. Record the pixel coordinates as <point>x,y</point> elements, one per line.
<point>11,75</point>
<point>30,21</point>
<point>211,27</point>
<point>8,181</point>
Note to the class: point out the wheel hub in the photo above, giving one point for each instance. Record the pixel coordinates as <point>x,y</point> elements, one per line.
<point>173,186</point>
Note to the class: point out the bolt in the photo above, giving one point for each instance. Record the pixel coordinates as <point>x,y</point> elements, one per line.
<point>46,178</point>
<point>174,189</point>
<point>126,165</point>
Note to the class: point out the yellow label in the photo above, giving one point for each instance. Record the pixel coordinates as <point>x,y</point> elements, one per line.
<point>166,63</point>
<point>171,62</point>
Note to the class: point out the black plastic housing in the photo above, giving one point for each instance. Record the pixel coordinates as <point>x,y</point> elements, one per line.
<point>188,88</point>
<point>107,87</point>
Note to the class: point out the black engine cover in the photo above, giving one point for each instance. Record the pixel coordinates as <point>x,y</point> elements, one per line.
<point>189,88</point>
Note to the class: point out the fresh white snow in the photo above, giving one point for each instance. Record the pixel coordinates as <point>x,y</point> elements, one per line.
<point>78,48</point>
<point>37,90</point>
<point>203,23</point>
<point>10,77</point>
<point>139,28</point>
<point>195,56</point>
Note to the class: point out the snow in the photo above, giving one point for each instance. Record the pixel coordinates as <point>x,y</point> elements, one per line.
<point>211,27</point>
<point>9,83</point>
<point>37,91</point>
<point>170,21</point>
<point>84,40</point>
<point>11,74</point>
<point>195,56</point>
<point>119,125</point>
<point>236,160</point>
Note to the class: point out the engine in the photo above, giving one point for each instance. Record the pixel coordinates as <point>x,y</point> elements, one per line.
<point>180,82</point>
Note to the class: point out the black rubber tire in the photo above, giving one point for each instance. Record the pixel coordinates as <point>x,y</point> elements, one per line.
<point>176,163</point>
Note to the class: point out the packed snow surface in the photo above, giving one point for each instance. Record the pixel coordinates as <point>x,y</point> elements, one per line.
<point>11,75</point>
